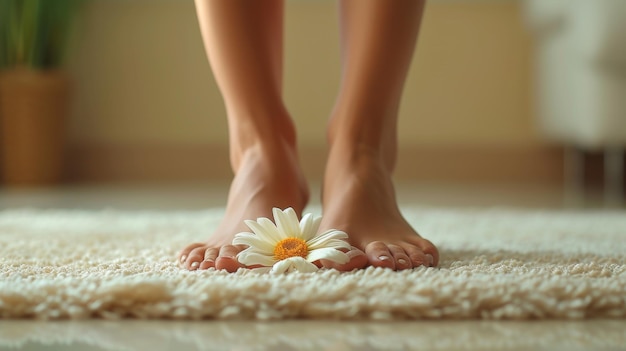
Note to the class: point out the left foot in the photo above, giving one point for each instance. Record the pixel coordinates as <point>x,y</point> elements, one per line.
<point>359,198</point>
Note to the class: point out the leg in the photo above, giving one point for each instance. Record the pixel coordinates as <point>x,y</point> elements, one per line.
<point>243,40</point>
<point>378,39</point>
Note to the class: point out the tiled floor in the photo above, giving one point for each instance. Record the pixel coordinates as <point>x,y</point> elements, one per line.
<point>300,335</point>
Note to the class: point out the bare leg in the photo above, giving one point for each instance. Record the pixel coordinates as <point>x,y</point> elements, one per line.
<point>378,40</point>
<point>243,40</point>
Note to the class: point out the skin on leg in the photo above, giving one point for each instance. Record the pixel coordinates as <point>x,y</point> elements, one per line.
<point>243,40</point>
<point>378,39</point>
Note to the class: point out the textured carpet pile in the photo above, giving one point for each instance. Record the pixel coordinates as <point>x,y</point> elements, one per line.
<point>495,264</point>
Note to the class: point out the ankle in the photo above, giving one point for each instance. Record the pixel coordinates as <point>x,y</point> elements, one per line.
<point>367,122</point>
<point>252,120</point>
<point>355,149</point>
<point>262,135</point>
<point>272,165</point>
<point>370,134</point>
<point>349,159</point>
<point>275,151</point>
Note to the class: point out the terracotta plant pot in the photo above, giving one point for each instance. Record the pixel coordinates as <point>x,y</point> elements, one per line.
<point>33,109</point>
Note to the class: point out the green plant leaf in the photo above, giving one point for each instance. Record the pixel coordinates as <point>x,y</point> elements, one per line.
<point>35,32</point>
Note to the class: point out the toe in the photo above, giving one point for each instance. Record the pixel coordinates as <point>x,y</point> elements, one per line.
<point>210,255</point>
<point>194,258</point>
<point>431,252</point>
<point>184,253</point>
<point>358,260</point>
<point>416,255</point>
<point>400,257</point>
<point>227,258</point>
<point>378,255</point>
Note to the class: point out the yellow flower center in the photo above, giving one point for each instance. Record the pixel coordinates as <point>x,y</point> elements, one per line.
<point>290,247</point>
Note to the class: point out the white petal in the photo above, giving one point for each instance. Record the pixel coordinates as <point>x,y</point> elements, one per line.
<point>293,264</point>
<point>334,244</point>
<point>258,229</point>
<point>281,267</point>
<point>287,222</point>
<point>321,240</point>
<point>254,241</point>
<point>306,227</point>
<point>252,258</point>
<point>304,266</point>
<point>270,230</point>
<point>328,254</point>
<point>316,224</point>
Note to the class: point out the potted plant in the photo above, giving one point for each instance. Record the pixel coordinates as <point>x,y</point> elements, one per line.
<point>34,90</point>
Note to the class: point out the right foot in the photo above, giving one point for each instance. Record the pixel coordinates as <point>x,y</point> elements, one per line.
<point>267,176</point>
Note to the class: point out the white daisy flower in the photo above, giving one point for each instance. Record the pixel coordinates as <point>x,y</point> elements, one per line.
<point>290,245</point>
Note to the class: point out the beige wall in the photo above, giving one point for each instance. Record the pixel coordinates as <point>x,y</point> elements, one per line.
<point>143,79</point>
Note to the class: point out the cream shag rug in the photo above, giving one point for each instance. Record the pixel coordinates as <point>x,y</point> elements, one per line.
<point>495,264</point>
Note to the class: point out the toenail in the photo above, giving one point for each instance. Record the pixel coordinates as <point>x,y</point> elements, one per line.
<point>402,261</point>
<point>195,264</point>
<point>183,258</point>
<point>383,258</point>
<point>430,260</point>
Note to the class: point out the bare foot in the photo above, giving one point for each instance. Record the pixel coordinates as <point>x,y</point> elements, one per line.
<point>267,176</point>
<point>359,198</point>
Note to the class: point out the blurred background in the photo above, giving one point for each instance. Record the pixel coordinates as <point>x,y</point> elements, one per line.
<point>501,93</point>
